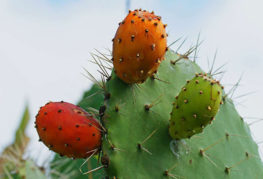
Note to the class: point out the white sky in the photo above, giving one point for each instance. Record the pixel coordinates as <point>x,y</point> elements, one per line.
<point>44,45</point>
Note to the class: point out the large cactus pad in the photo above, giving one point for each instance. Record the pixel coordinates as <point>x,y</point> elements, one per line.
<point>138,144</point>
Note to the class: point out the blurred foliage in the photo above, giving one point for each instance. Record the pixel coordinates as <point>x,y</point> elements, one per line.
<point>12,164</point>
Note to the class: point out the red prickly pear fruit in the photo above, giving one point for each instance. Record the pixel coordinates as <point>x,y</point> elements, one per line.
<point>68,129</point>
<point>139,46</point>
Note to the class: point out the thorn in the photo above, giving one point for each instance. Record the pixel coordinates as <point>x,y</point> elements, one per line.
<point>146,30</point>
<point>155,24</point>
<point>165,25</point>
<point>162,36</point>
<point>119,40</point>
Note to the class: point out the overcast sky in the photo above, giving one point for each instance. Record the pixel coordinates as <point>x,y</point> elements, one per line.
<point>44,44</point>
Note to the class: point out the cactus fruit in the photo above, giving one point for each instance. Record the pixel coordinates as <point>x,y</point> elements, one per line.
<point>68,129</point>
<point>195,106</point>
<point>139,46</point>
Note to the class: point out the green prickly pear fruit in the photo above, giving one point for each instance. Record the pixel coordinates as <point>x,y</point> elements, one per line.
<point>195,106</point>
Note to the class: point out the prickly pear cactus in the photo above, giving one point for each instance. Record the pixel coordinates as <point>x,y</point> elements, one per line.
<point>195,106</point>
<point>138,145</point>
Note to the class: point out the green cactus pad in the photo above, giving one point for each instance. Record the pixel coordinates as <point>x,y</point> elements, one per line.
<point>138,145</point>
<point>195,106</point>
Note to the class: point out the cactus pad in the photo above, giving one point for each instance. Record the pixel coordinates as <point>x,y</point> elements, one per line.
<point>138,144</point>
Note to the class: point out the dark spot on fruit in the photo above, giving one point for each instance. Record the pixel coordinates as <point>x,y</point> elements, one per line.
<point>119,40</point>
<point>162,36</point>
<point>44,129</point>
<point>45,113</point>
<point>77,126</point>
<point>153,46</point>
<point>66,145</point>
<point>50,146</point>
<point>132,38</point>
<point>59,111</point>
<point>78,139</point>
<point>143,20</point>
<point>196,81</point>
<point>185,101</point>
<point>93,134</point>
<point>59,128</point>
<point>121,60</point>
<point>61,155</point>
<point>201,92</point>
<point>155,24</point>
<point>177,107</point>
<point>184,89</point>
<point>190,161</point>
<point>90,124</point>
<point>146,30</point>
<point>132,21</point>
